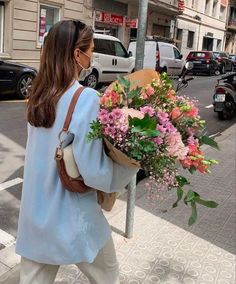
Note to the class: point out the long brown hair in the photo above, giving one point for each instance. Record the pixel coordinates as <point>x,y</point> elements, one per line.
<point>57,70</point>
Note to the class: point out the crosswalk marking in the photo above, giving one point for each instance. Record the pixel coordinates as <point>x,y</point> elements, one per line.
<point>10,183</point>
<point>6,239</point>
<point>209,106</point>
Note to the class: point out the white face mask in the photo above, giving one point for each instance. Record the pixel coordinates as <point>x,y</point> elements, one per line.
<point>85,71</point>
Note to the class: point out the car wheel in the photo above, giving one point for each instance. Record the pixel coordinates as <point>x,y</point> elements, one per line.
<point>91,80</point>
<point>23,85</point>
<point>223,69</point>
<point>217,72</point>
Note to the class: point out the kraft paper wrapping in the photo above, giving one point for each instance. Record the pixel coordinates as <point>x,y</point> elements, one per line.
<point>119,157</point>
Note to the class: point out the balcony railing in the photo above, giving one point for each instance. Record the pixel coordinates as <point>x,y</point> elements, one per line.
<point>232,22</point>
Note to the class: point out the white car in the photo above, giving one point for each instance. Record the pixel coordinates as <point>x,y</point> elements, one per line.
<point>161,56</point>
<point>110,58</point>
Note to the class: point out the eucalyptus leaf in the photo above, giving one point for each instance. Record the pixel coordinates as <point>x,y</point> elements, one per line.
<point>190,195</point>
<point>193,217</point>
<point>179,196</point>
<point>209,204</point>
<point>209,141</point>
<point>182,180</point>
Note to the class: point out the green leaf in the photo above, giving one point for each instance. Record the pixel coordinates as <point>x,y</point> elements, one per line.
<point>143,124</point>
<point>193,217</point>
<point>209,141</point>
<point>182,180</point>
<point>179,196</point>
<point>124,82</point>
<point>192,170</point>
<point>190,195</point>
<point>209,204</point>
<point>134,93</point>
<point>148,132</point>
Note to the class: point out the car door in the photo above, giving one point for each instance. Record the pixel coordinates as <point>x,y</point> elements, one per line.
<point>122,59</point>
<point>104,55</point>
<point>7,76</point>
<point>178,62</point>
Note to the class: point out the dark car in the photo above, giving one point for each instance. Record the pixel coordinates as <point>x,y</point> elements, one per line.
<point>15,78</point>
<point>203,62</point>
<point>233,58</point>
<point>224,61</point>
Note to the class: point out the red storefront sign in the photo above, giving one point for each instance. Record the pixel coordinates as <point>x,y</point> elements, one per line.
<point>133,23</point>
<point>181,5</point>
<point>109,18</point>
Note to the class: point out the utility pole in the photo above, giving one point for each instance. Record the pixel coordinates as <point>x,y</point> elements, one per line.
<point>142,25</point>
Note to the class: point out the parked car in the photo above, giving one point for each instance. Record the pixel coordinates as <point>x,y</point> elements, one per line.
<point>233,58</point>
<point>15,78</point>
<point>225,64</point>
<point>110,58</point>
<point>203,62</point>
<point>161,56</point>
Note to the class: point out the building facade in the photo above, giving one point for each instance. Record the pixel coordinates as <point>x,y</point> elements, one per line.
<point>24,22</point>
<point>230,44</point>
<point>120,18</point>
<point>202,25</point>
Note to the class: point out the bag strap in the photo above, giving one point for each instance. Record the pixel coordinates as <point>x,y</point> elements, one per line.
<point>71,108</point>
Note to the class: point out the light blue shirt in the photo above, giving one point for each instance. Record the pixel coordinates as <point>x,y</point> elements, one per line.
<point>55,225</point>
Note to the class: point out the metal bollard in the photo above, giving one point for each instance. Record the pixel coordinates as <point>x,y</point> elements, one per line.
<point>130,208</point>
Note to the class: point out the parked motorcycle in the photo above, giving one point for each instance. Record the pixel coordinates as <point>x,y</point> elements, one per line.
<point>224,98</point>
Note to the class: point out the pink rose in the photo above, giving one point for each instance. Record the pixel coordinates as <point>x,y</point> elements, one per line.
<point>192,113</point>
<point>175,113</point>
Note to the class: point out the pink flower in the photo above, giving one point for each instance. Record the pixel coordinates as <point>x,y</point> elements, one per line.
<point>133,113</point>
<point>163,117</point>
<point>175,113</point>
<point>192,113</point>
<point>147,109</point>
<point>150,91</point>
<point>103,118</point>
<point>158,140</point>
<point>147,92</point>
<point>117,113</point>
<point>171,95</point>
<point>161,128</point>
<point>176,147</point>
<point>110,131</point>
<point>170,127</point>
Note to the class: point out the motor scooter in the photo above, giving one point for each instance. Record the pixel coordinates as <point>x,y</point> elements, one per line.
<point>224,98</point>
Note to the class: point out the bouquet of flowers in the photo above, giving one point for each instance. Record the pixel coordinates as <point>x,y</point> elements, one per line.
<point>151,127</point>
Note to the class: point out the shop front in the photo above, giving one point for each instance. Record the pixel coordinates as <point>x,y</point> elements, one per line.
<point>109,17</point>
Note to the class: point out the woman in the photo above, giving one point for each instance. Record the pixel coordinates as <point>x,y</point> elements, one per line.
<point>57,226</point>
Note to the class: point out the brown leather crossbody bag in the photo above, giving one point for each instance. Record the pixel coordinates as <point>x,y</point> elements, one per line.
<point>66,166</point>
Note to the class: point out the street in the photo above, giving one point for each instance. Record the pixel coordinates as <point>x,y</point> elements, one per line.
<point>12,149</point>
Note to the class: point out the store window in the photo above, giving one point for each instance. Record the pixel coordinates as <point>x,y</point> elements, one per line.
<point>190,39</point>
<point>1,25</point>
<point>48,16</point>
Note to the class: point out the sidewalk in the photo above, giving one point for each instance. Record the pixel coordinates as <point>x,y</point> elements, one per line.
<point>164,249</point>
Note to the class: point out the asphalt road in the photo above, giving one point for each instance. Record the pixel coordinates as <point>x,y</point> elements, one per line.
<point>13,140</point>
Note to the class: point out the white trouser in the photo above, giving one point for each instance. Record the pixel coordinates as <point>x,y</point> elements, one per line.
<point>104,269</point>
